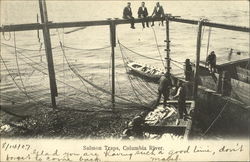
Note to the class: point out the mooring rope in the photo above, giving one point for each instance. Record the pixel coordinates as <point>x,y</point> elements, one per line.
<point>47,74</point>
<point>217,117</point>
<point>81,49</point>
<point>208,40</point>
<point>100,88</point>
<point>138,53</point>
<point>125,66</point>
<point>158,46</point>
<point>69,97</point>
<point>13,79</point>
<point>17,64</point>
<point>73,70</point>
<point>136,87</point>
<point>181,63</point>
<point>26,49</point>
<point>3,33</point>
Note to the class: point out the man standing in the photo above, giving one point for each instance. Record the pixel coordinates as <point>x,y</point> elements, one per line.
<point>158,13</point>
<point>211,60</point>
<point>188,70</point>
<point>181,94</point>
<point>127,14</point>
<point>165,84</point>
<point>143,13</point>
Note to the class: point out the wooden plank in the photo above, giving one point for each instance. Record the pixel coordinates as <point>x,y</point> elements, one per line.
<point>243,70</point>
<point>236,62</point>
<point>21,27</point>
<point>243,74</point>
<point>241,89</point>
<point>35,26</point>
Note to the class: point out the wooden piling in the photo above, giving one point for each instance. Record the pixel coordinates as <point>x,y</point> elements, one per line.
<point>48,49</point>
<point>168,67</point>
<point>198,47</point>
<point>113,44</point>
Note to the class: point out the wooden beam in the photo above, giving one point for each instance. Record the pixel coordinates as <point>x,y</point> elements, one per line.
<point>198,47</point>
<point>113,44</point>
<point>48,49</point>
<point>167,47</point>
<point>35,26</point>
<point>21,27</point>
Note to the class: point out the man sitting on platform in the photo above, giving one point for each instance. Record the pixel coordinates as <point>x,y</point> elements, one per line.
<point>158,13</point>
<point>143,13</point>
<point>127,14</point>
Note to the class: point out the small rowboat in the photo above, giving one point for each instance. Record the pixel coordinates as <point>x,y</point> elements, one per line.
<point>145,70</point>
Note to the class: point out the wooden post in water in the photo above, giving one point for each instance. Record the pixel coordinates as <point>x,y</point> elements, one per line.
<point>198,47</point>
<point>47,43</point>
<point>113,44</point>
<point>167,47</point>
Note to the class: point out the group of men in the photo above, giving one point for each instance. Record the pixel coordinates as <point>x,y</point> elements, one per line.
<point>137,126</point>
<point>143,13</point>
<point>165,85</point>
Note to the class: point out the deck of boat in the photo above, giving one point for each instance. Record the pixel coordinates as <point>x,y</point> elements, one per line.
<point>168,125</point>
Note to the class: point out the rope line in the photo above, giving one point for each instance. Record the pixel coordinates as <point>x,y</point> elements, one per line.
<point>73,70</point>
<point>18,68</point>
<point>138,53</point>
<point>13,79</point>
<point>3,33</point>
<point>133,89</point>
<point>147,56</point>
<point>158,47</point>
<point>25,49</point>
<point>80,49</point>
<point>208,40</point>
<point>217,117</point>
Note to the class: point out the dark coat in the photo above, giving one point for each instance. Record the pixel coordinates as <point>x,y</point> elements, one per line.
<point>164,84</point>
<point>211,59</point>
<point>127,13</point>
<point>182,95</point>
<point>142,13</point>
<point>158,13</point>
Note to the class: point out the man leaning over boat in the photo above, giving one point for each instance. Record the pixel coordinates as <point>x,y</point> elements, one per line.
<point>165,84</point>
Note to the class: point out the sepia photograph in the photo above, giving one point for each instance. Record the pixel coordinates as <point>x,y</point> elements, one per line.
<point>130,78</point>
